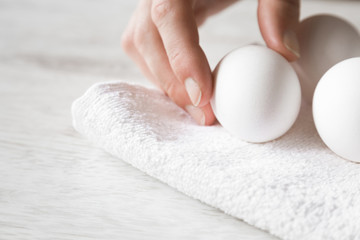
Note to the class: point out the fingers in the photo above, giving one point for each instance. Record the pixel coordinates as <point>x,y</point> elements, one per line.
<point>278,20</point>
<point>148,43</point>
<point>143,43</point>
<point>127,42</point>
<point>177,27</point>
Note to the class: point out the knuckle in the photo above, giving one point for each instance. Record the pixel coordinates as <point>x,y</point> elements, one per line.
<point>127,41</point>
<point>181,62</point>
<point>138,39</point>
<point>160,9</point>
<point>176,57</point>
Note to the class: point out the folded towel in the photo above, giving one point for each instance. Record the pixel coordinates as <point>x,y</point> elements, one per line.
<point>293,187</point>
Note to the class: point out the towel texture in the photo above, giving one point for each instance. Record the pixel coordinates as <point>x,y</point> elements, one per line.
<point>293,187</point>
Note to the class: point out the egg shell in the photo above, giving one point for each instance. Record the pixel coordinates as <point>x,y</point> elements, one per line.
<point>256,95</point>
<point>336,109</point>
<point>324,41</point>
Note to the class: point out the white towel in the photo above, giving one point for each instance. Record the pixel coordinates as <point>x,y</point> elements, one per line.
<point>293,187</point>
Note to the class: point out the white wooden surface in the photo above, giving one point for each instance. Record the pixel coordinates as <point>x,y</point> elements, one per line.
<point>53,183</point>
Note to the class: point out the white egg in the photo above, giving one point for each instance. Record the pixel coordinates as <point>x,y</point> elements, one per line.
<point>336,109</point>
<point>256,94</point>
<point>324,41</point>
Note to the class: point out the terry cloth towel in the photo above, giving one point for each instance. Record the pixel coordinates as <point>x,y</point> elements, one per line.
<point>293,187</point>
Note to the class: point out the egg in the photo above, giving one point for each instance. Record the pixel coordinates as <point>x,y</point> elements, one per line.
<point>256,94</point>
<point>336,109</point>
<point>324,40</point>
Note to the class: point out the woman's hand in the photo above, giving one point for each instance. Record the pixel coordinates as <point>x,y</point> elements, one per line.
<point>162,38</point>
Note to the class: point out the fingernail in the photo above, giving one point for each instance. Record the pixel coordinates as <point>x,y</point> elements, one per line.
<point>291,42</point>
<point>193,91</point>
<point>196,113</point>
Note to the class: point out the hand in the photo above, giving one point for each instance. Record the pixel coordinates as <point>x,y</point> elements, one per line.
<point>162,38</point>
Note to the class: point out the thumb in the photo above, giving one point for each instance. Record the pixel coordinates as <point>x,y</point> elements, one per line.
<point>278,20</point>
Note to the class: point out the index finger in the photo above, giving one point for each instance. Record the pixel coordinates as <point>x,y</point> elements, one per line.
<point>178,30</point>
